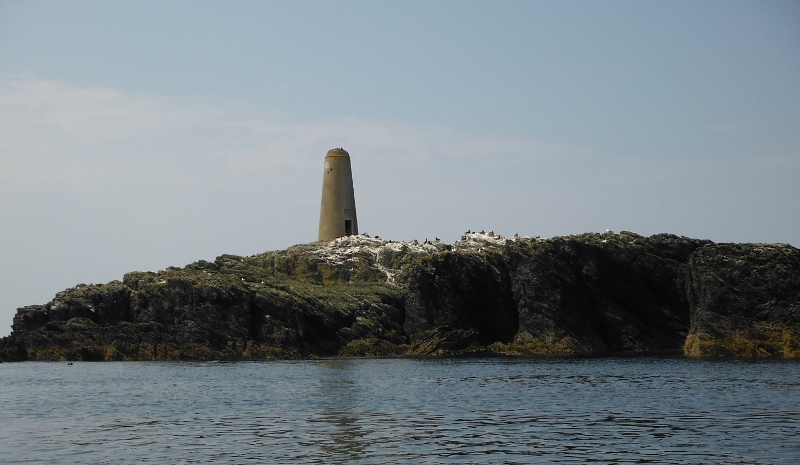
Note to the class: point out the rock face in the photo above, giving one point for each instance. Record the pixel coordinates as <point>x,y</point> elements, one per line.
<point>358,296</point>
<point>745,301</point>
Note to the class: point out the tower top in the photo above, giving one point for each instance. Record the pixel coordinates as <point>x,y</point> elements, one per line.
<point>340,152</point>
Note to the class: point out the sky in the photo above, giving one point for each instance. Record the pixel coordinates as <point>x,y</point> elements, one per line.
<point>137,135</point>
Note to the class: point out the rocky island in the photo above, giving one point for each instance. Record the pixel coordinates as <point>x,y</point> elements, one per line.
<point>583,295</point>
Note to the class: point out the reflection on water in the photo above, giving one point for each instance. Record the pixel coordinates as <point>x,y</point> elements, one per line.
<point>366,411</point>
<point>339,393</point>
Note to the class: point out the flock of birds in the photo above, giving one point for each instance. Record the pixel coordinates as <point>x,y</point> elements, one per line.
<point>437,240</point>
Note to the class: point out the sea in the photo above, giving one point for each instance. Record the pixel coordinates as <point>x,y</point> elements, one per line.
<point>402,410</point>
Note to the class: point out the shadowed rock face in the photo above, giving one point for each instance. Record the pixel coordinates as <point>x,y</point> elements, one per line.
<point>361,296</point>
<point>620,293</point>
<point>745,301</point>
<point>588,294</point>
<point>462,291</point>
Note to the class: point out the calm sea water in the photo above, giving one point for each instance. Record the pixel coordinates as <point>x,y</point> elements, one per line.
<point>365,411</point>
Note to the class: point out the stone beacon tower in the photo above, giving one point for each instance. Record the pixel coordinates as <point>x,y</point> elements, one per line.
<point>337,215</point>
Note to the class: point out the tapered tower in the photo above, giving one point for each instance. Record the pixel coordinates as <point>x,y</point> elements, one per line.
<point>337,215</point>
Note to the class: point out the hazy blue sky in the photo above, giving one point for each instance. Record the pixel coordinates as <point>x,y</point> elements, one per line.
<point>139,135</point>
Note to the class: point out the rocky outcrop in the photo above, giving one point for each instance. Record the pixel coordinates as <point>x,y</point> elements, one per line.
<point>308,300</point>
<point>609,293</point>
<point>745,301</point>
<point>359,296</point>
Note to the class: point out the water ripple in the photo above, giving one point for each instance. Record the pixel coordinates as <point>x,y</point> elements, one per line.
<point>368,411</point>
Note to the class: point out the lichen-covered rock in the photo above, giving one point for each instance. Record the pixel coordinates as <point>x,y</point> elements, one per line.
<point>372,347</point>
<point>447,341</point>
